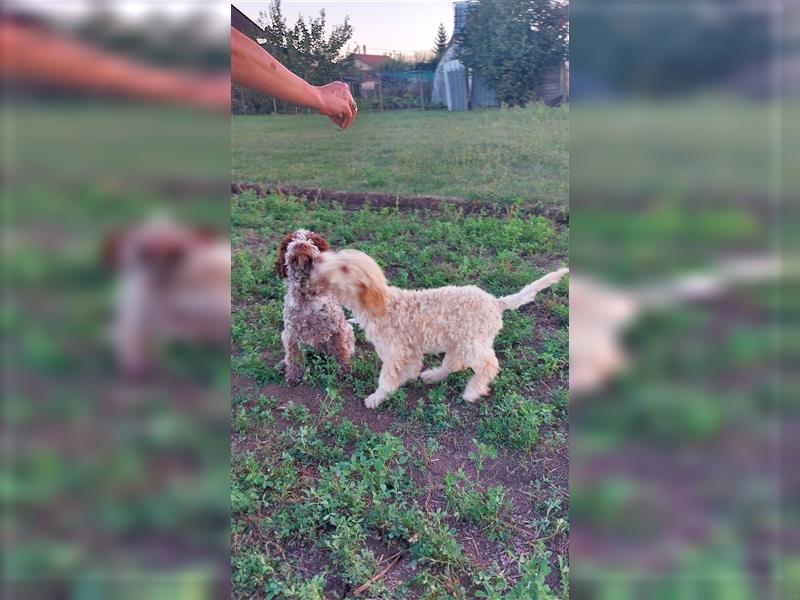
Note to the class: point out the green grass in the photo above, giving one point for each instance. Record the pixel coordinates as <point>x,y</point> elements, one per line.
<point>326,494</point>
<point>490,155</point>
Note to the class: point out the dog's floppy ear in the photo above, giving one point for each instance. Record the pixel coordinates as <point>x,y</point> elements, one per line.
<point>373,298</point>
<point>320,242</point>
<point>280,264</point>
<point>205,234</point>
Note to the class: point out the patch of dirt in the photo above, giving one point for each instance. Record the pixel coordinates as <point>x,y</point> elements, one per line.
<point>687,495</point>
<point>514,472</point>
<point>434,204</point>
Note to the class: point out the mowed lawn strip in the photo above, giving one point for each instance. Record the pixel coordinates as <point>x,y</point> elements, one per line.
<point>426,497</point>
<point>489,155</point>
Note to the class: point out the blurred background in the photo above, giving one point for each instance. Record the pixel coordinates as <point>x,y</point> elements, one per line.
<point>684,431</point>
<point>684,154</point>
<point>115,183</point>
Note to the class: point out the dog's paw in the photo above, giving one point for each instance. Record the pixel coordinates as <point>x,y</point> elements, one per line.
<point>373,400</point>
<point>472,397</point>
<point>431,376</point>
<point>294,374</point>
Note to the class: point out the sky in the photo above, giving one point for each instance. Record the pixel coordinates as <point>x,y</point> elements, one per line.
<point>384,26</point>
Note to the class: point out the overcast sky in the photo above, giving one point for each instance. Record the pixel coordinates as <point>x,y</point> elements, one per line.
<point>385,26</point>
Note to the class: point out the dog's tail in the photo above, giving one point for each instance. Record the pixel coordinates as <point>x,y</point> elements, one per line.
<point>528,293</point>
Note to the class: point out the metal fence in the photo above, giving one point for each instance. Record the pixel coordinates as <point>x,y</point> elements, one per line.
<point>394,90</point>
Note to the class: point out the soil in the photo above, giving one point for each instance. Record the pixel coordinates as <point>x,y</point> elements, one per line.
<point>512,471</point>
<point>434,204</point>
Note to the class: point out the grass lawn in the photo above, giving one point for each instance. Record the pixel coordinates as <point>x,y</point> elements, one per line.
<point>427,496</point>
<point>490,155</point>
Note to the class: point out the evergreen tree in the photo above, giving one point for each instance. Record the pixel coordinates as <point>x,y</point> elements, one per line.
<point>440,44</point>
<point>511,43</point>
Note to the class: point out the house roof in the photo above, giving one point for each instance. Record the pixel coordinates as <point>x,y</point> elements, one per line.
<point>245,24</point>
<point>373,61</point>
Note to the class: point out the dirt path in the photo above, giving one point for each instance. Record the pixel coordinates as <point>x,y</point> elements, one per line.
<point>435,204</point>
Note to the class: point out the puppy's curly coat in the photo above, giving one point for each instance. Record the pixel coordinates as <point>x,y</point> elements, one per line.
<point>404,325</point>
<point>310,316</point>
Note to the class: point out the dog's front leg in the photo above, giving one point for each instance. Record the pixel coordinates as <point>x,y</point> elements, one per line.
<point>132,334</point>
<point>388,382</point>
<point>293,359</point>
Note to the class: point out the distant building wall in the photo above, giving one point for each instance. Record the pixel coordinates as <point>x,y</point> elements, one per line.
<point>453,88</point>
<point>553,85</point>
<point>481,96</point>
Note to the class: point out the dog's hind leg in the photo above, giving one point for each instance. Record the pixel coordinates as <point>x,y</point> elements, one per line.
<point>450,364</point>
<point>486,369</point>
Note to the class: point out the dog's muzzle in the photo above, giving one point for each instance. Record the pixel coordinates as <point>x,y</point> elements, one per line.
<point>303,261</point>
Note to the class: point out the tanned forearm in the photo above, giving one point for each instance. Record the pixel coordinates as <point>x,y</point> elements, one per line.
<point>255,68</point>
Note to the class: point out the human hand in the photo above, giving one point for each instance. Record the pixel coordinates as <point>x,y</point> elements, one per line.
<point>337,103</point>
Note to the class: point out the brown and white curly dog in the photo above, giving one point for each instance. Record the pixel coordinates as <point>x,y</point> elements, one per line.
<point>404,325</point>
<point>311,316</point>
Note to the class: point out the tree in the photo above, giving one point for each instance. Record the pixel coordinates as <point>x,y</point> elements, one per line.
<point>511,43</point>
<point>440,44</point>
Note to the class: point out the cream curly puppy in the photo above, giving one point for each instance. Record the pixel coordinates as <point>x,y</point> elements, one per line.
<point>404,325</point>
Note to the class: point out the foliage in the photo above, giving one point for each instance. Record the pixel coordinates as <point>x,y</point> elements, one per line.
<point>304,49</point>
<point>440,43</point>
<point>488,508</point>
<point>483,452</point>
<point>514,421</point>
<point>511,43</point>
